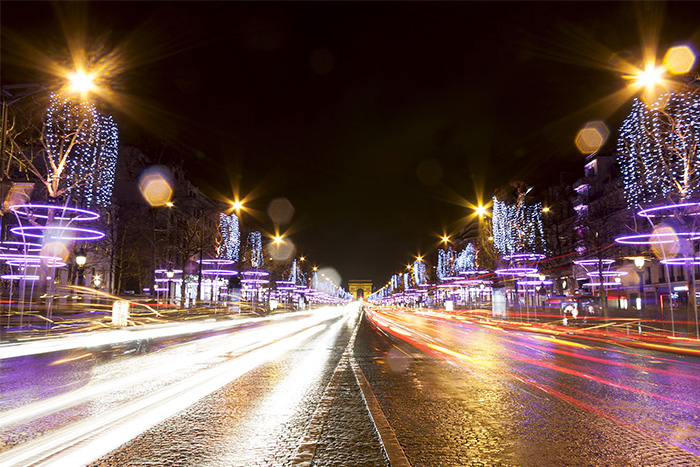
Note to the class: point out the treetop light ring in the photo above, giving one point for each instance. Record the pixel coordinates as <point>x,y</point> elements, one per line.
<point>515,271</point>
<point>26,277</point>
<point>63,213</point>
<point>597,284</point>
<point>222,262</point>
<point>593,262</point>
<point>220,272</point>
<point>78,233</point>
<point>607,273</point>
<point>524,257</point>
<point>659,238</point>
<point>532,282</point>
<point>667,210</point>
<point>681,261</point>
<point>254,272</point>
<point>19,246</point>
<point>36,263</point>
<point>165,271</point>
<point>28,258</point>
<point>473,273</point>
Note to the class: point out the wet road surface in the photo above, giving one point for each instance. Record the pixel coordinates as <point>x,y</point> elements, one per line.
<point>295,390</point>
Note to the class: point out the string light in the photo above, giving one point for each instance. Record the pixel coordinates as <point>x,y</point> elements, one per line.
<point>517,228</point>
<point>657,150</point>
<point>254,251</point>
<point>231,236</point>
<point>91,163</point>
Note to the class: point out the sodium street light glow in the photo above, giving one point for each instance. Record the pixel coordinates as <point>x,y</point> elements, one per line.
<point>81,82</point>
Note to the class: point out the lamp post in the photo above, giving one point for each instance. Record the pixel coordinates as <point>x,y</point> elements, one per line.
<point>618,281</point>
<point>80,260</point>
<point>639,263</point>
<point>169,274</point>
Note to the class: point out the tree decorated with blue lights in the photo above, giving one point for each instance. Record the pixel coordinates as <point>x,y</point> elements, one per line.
<point>419,272</point>
<point>445,263</point>
<point>466,259</point>
<point>658,150</point>
<point>230,237</point>
<point>517,225</point>
<point>254,252</point>
<point>78,150</point>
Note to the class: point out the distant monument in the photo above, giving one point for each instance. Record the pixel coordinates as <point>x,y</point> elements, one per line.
<point>360,288</point>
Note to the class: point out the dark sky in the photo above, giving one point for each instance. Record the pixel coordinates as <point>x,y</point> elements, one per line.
<point>373,119</point>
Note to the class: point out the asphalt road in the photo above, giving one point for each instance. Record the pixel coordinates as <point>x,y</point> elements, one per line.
<point>332,389</point>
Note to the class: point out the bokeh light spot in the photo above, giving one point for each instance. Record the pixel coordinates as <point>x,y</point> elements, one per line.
<point>282,250</point>
<point>664,242</point>
<point>56,249</point>
<point>592,137</point>
<point>280,210</point>
<point>156,185</point>
<point>680,59</point>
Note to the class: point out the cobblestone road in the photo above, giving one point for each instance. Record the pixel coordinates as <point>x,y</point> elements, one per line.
<point>308,406</point>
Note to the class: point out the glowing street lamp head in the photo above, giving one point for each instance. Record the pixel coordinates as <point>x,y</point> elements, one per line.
<point>278,239</point>
<point>237,205</point>
<point>651,76</point>
<point>81,82</point>
<point>445,238</point>
<point>481,211</point>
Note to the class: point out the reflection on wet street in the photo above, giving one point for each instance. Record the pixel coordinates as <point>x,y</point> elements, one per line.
<point>505,397</point>
<point>291,389</point>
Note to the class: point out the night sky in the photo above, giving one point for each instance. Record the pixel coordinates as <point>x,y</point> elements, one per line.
<point>379,122</point>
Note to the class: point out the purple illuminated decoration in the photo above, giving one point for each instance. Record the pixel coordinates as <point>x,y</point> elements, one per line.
<point>79,233</point>
<point>597,284</point>
<point>515,271</point>
<point>473,273</point>
<point>651,239</point>
<point>26,277</point>
<point>660,211</point>
<point>254,281</point>
<point>535,282</point>
<point>607,273</point>
<point>36,262</point>
<point>19,246</point>
<point>255,272</point>
<point>165,271</point>
<point>520,257</point>
<point>67,213</point>
<point>219,272</point>
<point>222,262</point>
<point>593,262</point>
<point>681,261</point>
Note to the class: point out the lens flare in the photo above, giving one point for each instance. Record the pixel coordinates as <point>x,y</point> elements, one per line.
<point>592,137</point>
<point>680,59</point>
<point>156,185</point>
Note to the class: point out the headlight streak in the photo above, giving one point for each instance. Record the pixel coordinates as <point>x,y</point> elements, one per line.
<point>118,336</point>
<point>96,436</point>
<point>390,319</point>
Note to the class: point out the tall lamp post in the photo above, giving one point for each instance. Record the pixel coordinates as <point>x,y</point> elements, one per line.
<point>618,281</point>
<point>80,260</point>
<point>639,264</point>
<point>169,274</point>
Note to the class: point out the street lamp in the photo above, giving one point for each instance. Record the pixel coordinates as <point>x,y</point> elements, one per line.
<point>639,264</point>
<point>618,281</point>
<point>80,260</point>
<point>169,274</point>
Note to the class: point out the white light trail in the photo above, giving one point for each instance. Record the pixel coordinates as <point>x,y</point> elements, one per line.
<point>82,442</point>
